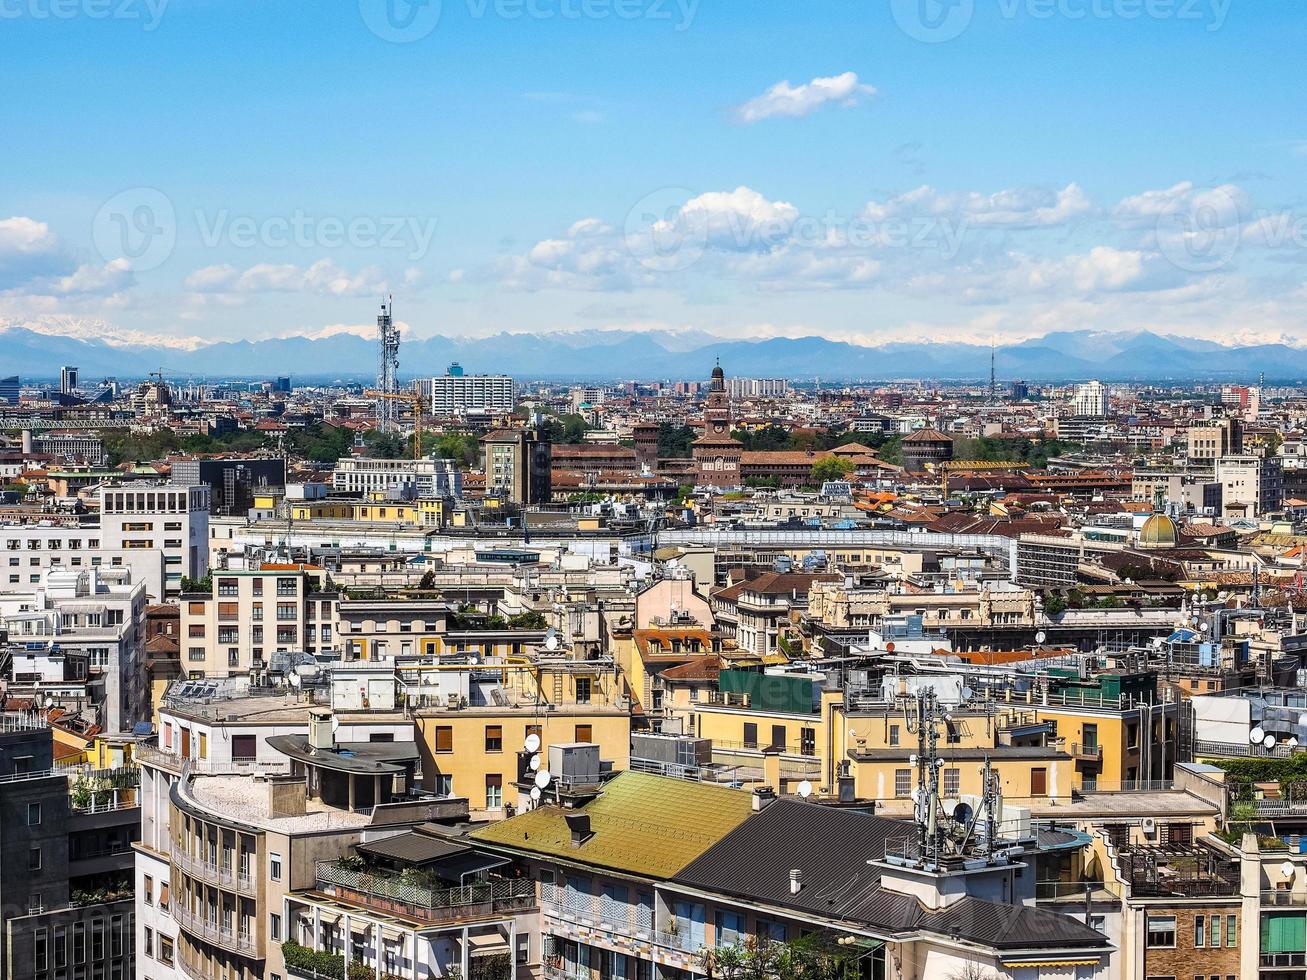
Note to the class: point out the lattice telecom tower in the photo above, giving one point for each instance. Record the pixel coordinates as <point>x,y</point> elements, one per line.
<point>388,376</point>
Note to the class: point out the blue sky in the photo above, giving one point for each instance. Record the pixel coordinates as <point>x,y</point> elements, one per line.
<point>872,171</point>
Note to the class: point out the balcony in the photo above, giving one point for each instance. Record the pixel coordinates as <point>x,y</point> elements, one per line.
<point>214,874</point>
<point>388,893</point>
<point>619,918</point>
<point>1086,753</point>
<point>211,931</point>
<point>1283,899</point>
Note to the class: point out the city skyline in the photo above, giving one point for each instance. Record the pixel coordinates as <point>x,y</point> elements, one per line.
<point>693,173</point>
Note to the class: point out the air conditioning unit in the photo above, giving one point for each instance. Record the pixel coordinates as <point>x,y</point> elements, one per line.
<point>1149,825</point>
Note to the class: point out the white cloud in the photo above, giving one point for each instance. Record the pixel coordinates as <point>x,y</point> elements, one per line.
<point>795,101</point>
<point>1018,207</point>
<point>1221,206</point>
<point>112,277</point>
<point>30,252</point>
<point>323,277</point>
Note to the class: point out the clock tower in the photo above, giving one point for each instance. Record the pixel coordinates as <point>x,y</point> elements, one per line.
<point>716,454</point>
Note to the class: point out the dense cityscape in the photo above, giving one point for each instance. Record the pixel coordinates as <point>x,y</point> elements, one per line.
<point>471,676</point>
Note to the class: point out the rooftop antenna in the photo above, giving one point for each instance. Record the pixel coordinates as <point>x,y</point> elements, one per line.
<point>388,375</point>
<point>993,389</point>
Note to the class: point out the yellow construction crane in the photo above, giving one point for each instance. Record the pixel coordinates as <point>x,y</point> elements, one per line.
<point>414,399</point>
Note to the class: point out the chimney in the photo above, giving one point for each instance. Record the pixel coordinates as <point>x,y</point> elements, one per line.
<point>771,768</point>
<point>321,737</point>
<point>762,796</point>
<point>579,825</point>
<point>796,881</point>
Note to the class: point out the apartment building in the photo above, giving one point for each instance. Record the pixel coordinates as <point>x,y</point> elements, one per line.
<point>249,615</point>
<point>65,862</point>
<point>32,549</point>
<point>472,724</point>
<point>517,465</point>
<point>95,615</point>
<point>1207,443</point>
<point>244,797</point>
<point>168,517</point>
<point>1251,486</point>
<point>401,479</point>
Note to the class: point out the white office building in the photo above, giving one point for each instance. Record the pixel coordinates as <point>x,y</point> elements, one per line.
<point>745,388</point>
<point>399,478</point>
<point>166,516</point>
<point>469,394</point>
<point>31,550</point>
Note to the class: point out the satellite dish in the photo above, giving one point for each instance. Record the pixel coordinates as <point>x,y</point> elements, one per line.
<point>962,813</point>
<point>1292,743</point>
<point>533,742</point>
<point>1302,720</point>
<point>805,789</point>
<point>295,680</point>
<point>1269,741</point>
<point>1287,869</point>
<point>335,724</point>
<point>915,794</point>
<point>912,759</point>
<point>1256,735</point>
<point>49,701</point>
<point>535,792</point>
<point>1041,636</point>
<point>534,764</point>
<point>542,778</point>
<point>551,641</point>
<point>967,694</point>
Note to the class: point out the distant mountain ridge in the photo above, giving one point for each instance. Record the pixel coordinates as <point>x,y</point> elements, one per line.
<point>1061,356</point>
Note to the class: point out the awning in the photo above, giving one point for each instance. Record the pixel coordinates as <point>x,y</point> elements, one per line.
<point>412,848</point>
<point>1093,961</point>
<point>487,945</point>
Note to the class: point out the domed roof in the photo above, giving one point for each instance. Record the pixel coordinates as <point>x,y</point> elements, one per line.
<point>1159,531</point>
<point>718,374</point>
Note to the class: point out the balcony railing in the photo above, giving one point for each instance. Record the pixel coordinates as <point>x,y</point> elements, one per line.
<point>1275,897</point>
<point>1239,750</point>
<point>388,893</point>
<point>215,874</point>
<point>600,912</point>
<point>1092,753</point>
<point>214,932</point>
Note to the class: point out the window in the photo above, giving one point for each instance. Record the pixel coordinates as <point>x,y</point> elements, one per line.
<point>584,733</point>
<point>34,859</point>
<point>444,784</point>
<point>583,690</point>
<point>444,738</point>
<point>902,782</point>
<point>147,890</point>
<point>147,945</point>
<point>952,782</point>
<point>274,926</point>
<point>893,734</point>
<point>728,927</point>
<point>494,738</point>
<point>1200,931</point>
<point>750,735</point>
<point>1231,931</point>
<point>778,737</point>
<point>494,791</point>
<point>1161,932</point>
<point>807,741</point>
<point>33,814</point>
<point>244,747</point>
<point>274,867</point>
<point>1039,782</point>
<point>165,950</point>
<point>41,950</point>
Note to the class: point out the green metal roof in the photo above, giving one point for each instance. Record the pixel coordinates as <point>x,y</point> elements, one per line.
<point>641,824</point>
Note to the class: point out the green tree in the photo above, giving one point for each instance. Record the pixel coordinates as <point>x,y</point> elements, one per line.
<point>830,468</point>
<point>674,441</point>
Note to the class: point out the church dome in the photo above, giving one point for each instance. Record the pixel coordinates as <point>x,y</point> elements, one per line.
<point>1159,531</point>
<point>718,374</point>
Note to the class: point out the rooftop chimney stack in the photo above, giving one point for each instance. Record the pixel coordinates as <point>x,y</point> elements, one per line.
<point>796,881</point>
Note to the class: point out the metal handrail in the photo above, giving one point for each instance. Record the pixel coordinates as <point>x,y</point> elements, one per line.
<point>213,873</point>
<point>211,931</point>
<point>388,890</point>
<point>602,912</point>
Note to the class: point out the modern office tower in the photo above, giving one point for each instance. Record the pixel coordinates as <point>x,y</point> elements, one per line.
<point>172,517</point>
<point>67,380</point>
<point>742,388</point>
<point>1250,485</point>
<point>463,394</point>
<point>9,389</point>
<point>232,482</point>
<point>1090,400</point>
